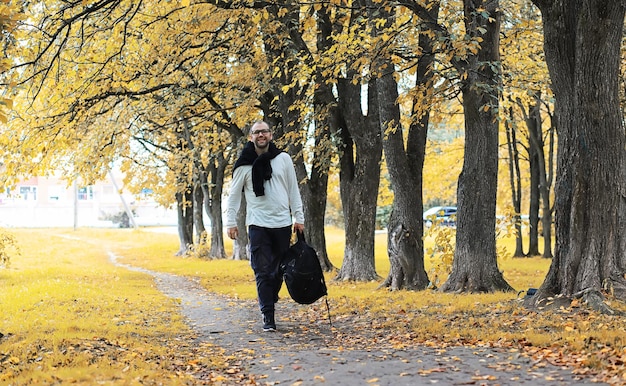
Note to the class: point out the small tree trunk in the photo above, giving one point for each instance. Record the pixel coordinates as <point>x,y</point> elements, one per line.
<point>184,201</point>
<point>515,182</point>
<point>213,204</point>
<point>545,182</point>
<point>240,244</point>
<point>198,219</point>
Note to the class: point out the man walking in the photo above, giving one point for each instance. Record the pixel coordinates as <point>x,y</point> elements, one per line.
<point>267,177</point>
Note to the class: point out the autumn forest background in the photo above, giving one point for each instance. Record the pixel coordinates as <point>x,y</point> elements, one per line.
<point>511,110</point>
<point>388,108</point>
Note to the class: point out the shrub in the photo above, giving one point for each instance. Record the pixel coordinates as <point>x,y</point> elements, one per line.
<point>8,246</point>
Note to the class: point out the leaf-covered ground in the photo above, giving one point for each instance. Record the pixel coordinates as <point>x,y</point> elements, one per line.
<point>71,315</point>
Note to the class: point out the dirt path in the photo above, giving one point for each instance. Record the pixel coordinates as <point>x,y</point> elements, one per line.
<point>308,353</point>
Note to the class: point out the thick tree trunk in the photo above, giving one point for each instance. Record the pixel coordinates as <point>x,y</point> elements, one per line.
<point>582,41</point>
<point>291,121</point>
<point>325,123</point>
<point>475,267</point>
<point>405,244</point>
<point>315,195</point>
<point>359,179</point>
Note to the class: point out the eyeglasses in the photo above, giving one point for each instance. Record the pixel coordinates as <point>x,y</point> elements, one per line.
<point>257,132</point>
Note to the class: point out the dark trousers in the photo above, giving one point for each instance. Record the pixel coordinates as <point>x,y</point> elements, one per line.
<point>267,247</point>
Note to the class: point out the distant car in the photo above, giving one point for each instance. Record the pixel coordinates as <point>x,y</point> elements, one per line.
<point>444,215</point>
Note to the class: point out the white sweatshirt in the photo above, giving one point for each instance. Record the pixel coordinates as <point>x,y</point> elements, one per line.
<point>281,200</point>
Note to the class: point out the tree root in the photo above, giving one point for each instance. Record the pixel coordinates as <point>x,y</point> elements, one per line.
<point>593,298</point>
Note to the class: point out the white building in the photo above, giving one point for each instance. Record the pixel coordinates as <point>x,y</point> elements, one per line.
<point>49,202</point>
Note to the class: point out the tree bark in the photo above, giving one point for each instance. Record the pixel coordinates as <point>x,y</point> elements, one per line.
<point>290,120</point>
<point>405,244</point>
<point>475,267</point>
<point>536,160</point>
<point>359,179</point>
<point>240,244</point>
<point>198,218</point>
<point>515,181</point>
<point>184,205</point>
<point>212,192</point>
<point>582,41</point>
<point>537,145</point>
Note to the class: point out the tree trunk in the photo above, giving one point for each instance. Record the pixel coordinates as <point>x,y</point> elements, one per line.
<point>212,199</point>
<point>240,244</point>
<point>582,41</point>
<point>533,208</point>
<point>315,195</point>
<point>515,181</point>
<point>546,202</point>
<point>198,218</point>
<point>184,201</point>
<point>283,107</point>
<point>475,267</point>
<point>359,180</point>
<point>537,145</point>
<point>325,122</point>
<point>535,157</point>
<point>405,244</point>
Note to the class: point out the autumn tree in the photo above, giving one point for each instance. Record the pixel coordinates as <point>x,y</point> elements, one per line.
<point>541,174</point>
<point>336,94</point>
<point>288,103</point>
<point>161,96</point>
<point>9,16</point>
<point>475,267</point>
<point>582,41</point>
<point>360,148</point>
<point>405,161</point>
<point>526,96</point>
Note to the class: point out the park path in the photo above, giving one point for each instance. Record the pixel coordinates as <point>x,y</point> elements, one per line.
<point>309,353</point>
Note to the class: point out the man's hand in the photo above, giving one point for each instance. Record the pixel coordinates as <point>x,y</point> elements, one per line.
<point>298,227</point>
<point>232,232</point>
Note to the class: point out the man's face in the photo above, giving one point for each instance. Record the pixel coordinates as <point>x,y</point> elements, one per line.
<point>260,135</point>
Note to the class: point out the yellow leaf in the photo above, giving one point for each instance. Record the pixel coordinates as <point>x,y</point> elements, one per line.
<point>185,3</point>
<point>7,102</point>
